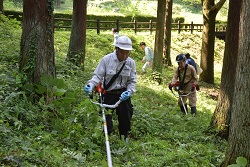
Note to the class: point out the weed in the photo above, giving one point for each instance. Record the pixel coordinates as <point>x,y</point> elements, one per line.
<point>64,129</point>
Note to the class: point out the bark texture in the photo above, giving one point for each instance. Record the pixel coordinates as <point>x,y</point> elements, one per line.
<point>221,117</point>
<point>210,10</point>
<point>239,132</point>
<point>76,52</point>
<point>37,55</point>
<point>167,32</point>
<point>159,36</point>
<point>1,6</point>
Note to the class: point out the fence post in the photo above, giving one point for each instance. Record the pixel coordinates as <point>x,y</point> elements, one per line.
<point>225,28</point>
<point>98,26</point>
<point>135,26</point>
<point>192,27</point>
<point>179,27</point>
<point>150,26</point>
<point>117,25</point>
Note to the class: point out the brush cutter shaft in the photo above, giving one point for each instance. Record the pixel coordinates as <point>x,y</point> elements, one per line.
<point>183,105</point>
<point>109,154</point>
<point>103,106</point>
<point>107,139</point>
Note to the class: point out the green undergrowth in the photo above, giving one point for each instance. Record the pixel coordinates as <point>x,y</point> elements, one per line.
<point>70,133</point>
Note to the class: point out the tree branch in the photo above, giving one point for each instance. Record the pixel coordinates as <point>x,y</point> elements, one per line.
<point>218,6</point>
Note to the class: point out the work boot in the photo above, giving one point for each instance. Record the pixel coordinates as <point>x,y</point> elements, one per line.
<point>193,111</point>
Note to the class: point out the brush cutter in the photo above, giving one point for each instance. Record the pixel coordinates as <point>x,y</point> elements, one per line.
<point>180,95</point>
<point>103,106</point>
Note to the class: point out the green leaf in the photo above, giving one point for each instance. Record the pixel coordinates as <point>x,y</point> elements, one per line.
<point>68,99</point>
<point>58,83</point>
<point>57,102</point>
<point>70,94</point>
<point>233,165</point>
<point>58,92</point>
<point>40,89</point>
<point>19,79</point>
<point>46,80</point>
<point>242,161</point>
<point>28,87</point>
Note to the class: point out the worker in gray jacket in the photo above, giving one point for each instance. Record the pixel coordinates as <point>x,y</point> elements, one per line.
<point>148,58</point>
<point>122,86</point>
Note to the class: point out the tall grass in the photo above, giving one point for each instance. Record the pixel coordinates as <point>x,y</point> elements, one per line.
<point>161,135</point>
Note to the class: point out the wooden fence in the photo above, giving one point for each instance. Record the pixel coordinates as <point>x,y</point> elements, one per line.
<point>99,25</point>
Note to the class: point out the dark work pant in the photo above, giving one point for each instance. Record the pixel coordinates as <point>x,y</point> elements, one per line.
<point>124,112</point>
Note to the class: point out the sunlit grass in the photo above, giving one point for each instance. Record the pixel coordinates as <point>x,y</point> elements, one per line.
<point>156,107</point>
<point>161,135</point>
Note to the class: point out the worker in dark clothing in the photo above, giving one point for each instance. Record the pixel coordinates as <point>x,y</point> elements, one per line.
<point>190,61</point>
<point>186,79</point>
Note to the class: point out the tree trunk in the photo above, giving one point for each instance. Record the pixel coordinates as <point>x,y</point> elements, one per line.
<point>76,52</point>
<point>167,32</point>
<point>239,132</point>
<point>1,6</point>
<point>210,11</point>
<point>159,34</point>
<point>221,117</point>
<point>37,55</point>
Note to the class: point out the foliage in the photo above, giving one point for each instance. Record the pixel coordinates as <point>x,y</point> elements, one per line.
<point>57,132</point>
<point>240,162</point>
<point>52,93</point>
<point>13,3</point>
<point>9,29</point>
<point>193,6</point>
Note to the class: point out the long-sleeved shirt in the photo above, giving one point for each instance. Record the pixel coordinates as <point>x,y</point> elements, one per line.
<point>149,55</point>
<point>109,66</point>
<point>190,78</point>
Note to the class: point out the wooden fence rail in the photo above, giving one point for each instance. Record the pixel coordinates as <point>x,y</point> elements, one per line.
<point>135,26</point>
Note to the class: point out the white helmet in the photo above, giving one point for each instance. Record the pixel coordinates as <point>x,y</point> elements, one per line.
<point>124,43</point>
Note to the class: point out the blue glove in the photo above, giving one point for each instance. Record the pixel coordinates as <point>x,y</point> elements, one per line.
<point>88,88</point>
<point>125,95</point>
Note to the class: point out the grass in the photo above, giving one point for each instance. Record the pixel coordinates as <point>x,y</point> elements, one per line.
<point>161,136</point>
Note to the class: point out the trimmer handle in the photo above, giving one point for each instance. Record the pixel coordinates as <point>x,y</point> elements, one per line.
<point>98,88</point>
